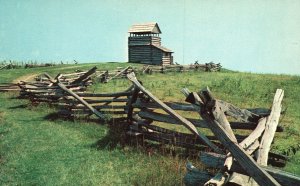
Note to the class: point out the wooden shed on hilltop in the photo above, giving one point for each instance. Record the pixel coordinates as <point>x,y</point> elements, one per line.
<point>144,45</point>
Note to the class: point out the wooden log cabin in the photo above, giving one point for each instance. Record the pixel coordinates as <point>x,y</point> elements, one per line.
<point>144,45</point>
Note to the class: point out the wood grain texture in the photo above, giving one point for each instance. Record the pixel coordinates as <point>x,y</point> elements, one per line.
<point>271,125</point>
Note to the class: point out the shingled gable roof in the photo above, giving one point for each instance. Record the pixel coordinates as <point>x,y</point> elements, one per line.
<point>163,48</point>
<point>145,28</point>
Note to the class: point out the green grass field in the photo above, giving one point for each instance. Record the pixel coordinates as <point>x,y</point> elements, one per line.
<point>37,151</point>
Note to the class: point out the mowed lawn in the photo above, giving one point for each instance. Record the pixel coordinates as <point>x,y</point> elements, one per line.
<point>36,150</point>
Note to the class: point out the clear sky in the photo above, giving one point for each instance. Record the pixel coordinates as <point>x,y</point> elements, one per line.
<point>253,36</point>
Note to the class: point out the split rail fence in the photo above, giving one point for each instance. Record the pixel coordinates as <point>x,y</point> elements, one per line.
<point>207,67</point>
<point>227,147</point>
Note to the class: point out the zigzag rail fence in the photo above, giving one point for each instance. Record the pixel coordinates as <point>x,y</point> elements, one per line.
<point>230,151</point>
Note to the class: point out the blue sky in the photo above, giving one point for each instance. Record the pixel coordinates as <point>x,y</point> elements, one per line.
<point>253,36</point>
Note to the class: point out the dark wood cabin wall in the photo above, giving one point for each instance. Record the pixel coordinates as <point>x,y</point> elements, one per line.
<point>140,54</point>
<point>157,55</point>
<point>144,40</point>
<point>141,49</point>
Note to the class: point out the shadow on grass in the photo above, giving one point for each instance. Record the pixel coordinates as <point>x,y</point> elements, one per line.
<point>19,106</point>
<point>56,116</point>
<point>117,128</point>
<point>15,97</point>
<point>115,137</point>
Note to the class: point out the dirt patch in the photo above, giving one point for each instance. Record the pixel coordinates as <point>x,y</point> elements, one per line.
<point>27,77</point>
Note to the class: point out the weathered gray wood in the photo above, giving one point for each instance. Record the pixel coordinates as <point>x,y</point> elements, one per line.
<point>73,74</point>
<point>37,84</point>
<point>37,91</point>
<point>237,113</point>
<point>166,67</point>
<point>7,90</point>
<point>2,67</point>
<point>145,69</point>
<point>197,122</point>
<point>131,101</point>
<point>171,141</point>
<point>101,74</point>
<point>9,87</point>
<point>246,115</point>
<point>116,94</point>
<point>96,112</point>
<point>271,125</point>
<point>170,111</point>
<point>241,180</point>
<point>190,137</point>
<point>169,119</point>
<point>70,92</point>
<point>31,87</point>
<point>221,178</point>
<point>174,106</point>
<point>87,111</point>
<point>49,77</point>
<point>103,100</point>
<point>101,106</point>
<point>215,160</point>
<point>85,75</point>
<point>48,96</point>
<point>8,84</point>
<point>195,176</point>
<point>284,178</point>
<point>247,162</point>
<point>247,143</point>
<point>223,175</point>
<point>218,114</point>
<point>118,74</point>
<point>63,87</point>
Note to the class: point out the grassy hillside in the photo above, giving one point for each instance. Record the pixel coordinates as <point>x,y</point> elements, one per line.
<point>35,150</point>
